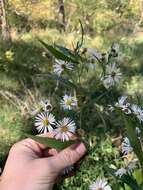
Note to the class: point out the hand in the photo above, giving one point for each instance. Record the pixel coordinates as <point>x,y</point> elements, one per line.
<point>32,167</point>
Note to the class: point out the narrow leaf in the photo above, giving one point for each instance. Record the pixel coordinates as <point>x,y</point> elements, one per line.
<point>127,179</point>
<point>51,142</point>
<point>58,54</point>
<point>69,53</point>
<point>132,135</point>
<point>80,43</point>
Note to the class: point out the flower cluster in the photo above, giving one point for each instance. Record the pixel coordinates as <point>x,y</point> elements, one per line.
<point>45,121</point>
<point>128,169</point>
<point>134,111</point>
<point>127,108</point>
<point>73,72</point>
<point>112,73</point>
<point>131,165</point>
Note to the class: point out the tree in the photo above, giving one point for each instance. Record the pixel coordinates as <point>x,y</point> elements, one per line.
<point>139,24</point>
<point>62,14</point>
<point>4,23</point>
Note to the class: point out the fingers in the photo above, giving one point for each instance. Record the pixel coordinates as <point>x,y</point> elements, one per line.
<point>30,145</point>
<point>68,156</point>
<point>60,160</point>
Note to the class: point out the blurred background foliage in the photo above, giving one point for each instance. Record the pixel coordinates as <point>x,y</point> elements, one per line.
<point>22,57</point>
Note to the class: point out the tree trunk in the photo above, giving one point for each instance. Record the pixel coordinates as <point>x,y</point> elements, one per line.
<point>4,23</point>
<point>138,27</point>
<point>62,17</point>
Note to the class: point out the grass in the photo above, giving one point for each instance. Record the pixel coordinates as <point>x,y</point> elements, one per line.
<point>11,129</point>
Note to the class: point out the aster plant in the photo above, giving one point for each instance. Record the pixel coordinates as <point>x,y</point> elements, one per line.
<point>132,144</point>
<point>70,70</point>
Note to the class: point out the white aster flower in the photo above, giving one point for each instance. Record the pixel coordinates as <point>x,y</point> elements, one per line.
<point>113,75</point>
<point>69,102</point>
<point>65,129</point>
<point>100,184</point>
<point>120,172</point>
<point>44,122</point>
<point>138,112</point>
<point>61,65</point>
<point>131,166</point>
<point>46,105</point>
<point>126,146</point>
<point>123,104</point>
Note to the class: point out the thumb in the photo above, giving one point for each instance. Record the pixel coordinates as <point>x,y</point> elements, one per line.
<point>68,156</point>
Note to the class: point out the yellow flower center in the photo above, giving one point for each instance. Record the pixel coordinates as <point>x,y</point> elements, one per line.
<point>64,129</point>
<point>46,122</point>
<point>68,102</point>
<point>99,188</point>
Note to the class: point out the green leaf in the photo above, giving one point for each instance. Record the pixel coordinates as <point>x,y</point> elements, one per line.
<point>51,142</point>
<point>127,179</point>
<point>69,53</point>
<point>58,54</point>
<point>132,135</point>
<point>130,182</point>
<point>80,43</point>
<point>138,176</point>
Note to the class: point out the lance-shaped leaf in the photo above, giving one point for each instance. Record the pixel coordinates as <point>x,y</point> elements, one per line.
<point>127,179</point>
<point>52,142</point>
<point>68,52</point>
<point>57,54</point>
<point>132,135</point>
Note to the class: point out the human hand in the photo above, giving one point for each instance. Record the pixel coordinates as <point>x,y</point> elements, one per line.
<point>32,167</point>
